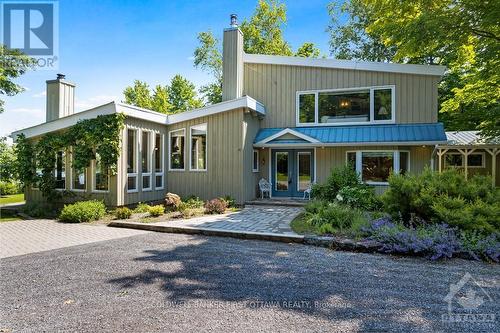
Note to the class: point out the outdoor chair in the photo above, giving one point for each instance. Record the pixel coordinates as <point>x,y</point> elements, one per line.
<point>264,186</point>
<point>308,191</point>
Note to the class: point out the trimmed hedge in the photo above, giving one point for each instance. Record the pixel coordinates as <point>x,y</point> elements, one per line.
<point>83,211</point>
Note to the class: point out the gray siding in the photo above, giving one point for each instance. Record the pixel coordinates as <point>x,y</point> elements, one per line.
<point>232,66</point>
<point>276,86</point>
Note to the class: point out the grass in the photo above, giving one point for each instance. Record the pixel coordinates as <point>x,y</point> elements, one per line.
<point>300,226</point>
<point>7,215</point>
<point>8,199</point>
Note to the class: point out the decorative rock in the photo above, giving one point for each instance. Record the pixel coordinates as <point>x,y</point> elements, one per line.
<point>172,201</point>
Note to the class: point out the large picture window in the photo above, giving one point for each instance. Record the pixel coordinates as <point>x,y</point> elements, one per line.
<point>198,148</point>
<point>176,147</point>
<point>146,161</point>
<point>101,175</point>
<point>374,167</point>
<point>60,170</point>
<point>158,161</point>
<point>347,106</point>
<point>132,160</point>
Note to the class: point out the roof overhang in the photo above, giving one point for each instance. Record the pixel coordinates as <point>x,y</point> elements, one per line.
<point>140,113</point>
<point>347,144</point>
<point>345,64</point>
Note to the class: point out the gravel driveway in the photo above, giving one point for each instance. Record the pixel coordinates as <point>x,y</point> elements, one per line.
<point>179,283</point>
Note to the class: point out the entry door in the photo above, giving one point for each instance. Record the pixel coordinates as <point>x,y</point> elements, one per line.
<point>292,172</point>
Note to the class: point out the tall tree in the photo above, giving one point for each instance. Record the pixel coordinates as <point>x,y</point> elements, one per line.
<point>13,64</point>
<point>263,34</point>
<point>160,99</point>
<point>138,95</point>
<point>182,95</point>
<point>462,34</point>
<point>7,161</point>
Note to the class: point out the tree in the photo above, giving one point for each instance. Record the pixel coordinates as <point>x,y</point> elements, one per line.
<point>138,95</point>
<point>13,64</point>
<point>182,95</point>
<point>177,97</point>
<point>308,50</point>
<point>463,35</point>
<point>263,34</point>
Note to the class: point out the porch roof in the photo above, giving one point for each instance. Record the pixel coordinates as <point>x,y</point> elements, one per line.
<point>399,134</point>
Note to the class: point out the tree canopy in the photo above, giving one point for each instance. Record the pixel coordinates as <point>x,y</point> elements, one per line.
<point>463,35</point>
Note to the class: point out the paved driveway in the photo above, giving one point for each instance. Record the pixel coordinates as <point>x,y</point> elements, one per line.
<point>179,283</point>
<point>23,237</point>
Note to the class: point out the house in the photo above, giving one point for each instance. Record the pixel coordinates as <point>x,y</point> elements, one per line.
<point>285,119</point>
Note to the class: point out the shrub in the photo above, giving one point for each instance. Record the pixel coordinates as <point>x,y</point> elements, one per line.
<point>191,203</point>
<point>447,197</point>
<point>157,210</point>
<point>36,209</point>
<point>172,201</point>
<point>230,201</point>
<point>480,246</point>
<point>142,208</point>
<point>215,206</point>
<point>339,177</point>
<point>359,196</point>
<point>9,188</point>
<point>123,213</point>
<point>83,211</point>
<point>338,217</point>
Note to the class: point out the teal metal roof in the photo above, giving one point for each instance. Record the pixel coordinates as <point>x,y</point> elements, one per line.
<point>397,133</point>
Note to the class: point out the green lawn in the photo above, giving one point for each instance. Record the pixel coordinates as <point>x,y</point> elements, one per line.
<point>8,215</point>
<point>7,199</point>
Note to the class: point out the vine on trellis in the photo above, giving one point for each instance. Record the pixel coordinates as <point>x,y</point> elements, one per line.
<point>99,135</point>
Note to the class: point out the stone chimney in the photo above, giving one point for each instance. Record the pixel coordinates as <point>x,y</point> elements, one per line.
<point>232,65</point>
<point>60,98</point>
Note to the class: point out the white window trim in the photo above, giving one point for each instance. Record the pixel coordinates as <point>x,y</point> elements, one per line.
<point>162,161</point>
<point>253,159</point>
<point>191,148</point>
<point>372,104</point>
<point>183,130</point>
<point>395,167</point>
<point>149,161</point>
<point>137,160</point>
<point>93,169</point>
<point>483,161</point>
<point>298,167</point>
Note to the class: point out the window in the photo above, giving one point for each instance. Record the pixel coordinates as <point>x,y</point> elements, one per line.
<point>255,161</point>
<point>146,161</point>
<point>60,170</point>
<point>346,106</point>
<point>158,160</point>
<point>176,146</point>
<point>38,174</point>
<point>198,148</point>
<point>374,167</point>
<point>78,179</point>
<point>101,175</point>
<point>307,107</point>
<point>131,160</point>
<point>456,160</point>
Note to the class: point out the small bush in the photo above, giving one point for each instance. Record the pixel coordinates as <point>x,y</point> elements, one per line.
<point>191,203</point>
<point>142,208</point>
<point>480,246</point>
<point>339,177</point>
<point>230,201</point>
<point>215,206</point>
<point>83,211</point>
<point>36,209</point>
<point>339,218</point>
<point>9,188</point>
<point>123,213</point>
<point>359,196</point>
<point>157,210</point>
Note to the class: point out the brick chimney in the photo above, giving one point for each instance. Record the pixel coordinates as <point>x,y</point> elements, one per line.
<point>232,65</point>
<point>60,98</point>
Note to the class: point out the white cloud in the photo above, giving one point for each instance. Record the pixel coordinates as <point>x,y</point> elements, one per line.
<point>32,111</point>
<point>40,94</point>
<point>93,101</point>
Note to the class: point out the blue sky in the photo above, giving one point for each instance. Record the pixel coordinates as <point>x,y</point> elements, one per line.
<point>105,45</point>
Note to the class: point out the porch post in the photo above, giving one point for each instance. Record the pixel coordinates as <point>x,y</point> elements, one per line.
<point>440,154</point>
<point>493,152</point>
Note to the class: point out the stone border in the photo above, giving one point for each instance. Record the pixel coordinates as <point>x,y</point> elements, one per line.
<point>210,232</point>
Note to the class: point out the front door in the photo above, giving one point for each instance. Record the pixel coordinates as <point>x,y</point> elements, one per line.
<point>292,171</point>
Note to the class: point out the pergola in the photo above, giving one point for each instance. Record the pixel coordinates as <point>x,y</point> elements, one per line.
<point>465,143</point>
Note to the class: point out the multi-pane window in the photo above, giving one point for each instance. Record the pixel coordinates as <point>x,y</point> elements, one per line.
<point>351,106</point>
<point>374,167</point>
<point>60,170</point>
<point>176,146</point>
<point>198,147</point>
<point>78,179</point>
<point>131,160</point>
<point>255,161</point>
<point>456,160</point>
<point>158,161</point>
<point>101,175</point>
<point>146,161</point>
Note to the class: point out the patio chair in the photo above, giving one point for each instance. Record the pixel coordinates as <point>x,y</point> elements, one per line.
<point>264,186</point>
<point>308,191</point>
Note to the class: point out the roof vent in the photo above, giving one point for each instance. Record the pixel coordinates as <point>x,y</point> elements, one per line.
<point>61,76</point>
<point>234,21</point>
